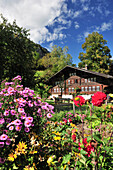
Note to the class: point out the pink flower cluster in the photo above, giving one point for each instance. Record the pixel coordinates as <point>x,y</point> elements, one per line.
<point>20,110</point>
<point>4,139</point>
<point>98,98</point>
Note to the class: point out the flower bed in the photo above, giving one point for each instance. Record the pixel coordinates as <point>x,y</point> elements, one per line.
<point>30,140</point>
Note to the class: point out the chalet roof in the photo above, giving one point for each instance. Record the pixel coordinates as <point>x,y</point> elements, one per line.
<point>79,72</point>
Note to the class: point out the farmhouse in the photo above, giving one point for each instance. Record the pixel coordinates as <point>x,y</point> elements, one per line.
<point>67,81</point>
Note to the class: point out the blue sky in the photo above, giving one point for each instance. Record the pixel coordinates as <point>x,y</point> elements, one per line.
<point>62,22</point>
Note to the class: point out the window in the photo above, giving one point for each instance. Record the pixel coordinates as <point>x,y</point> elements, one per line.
<point>89,88</point>
<point>93,88</point>
<point>72,81</point>
<point>62,89</point>
<point>73,89</point>
<point>98,88</point>
<point>85,80</point>
<point>57,89</point>
<point>69,89</point>
<point>54,90</point>
<point>68,81</point>
<point>76,80</point>
<point>82,88</point>
<point>94,79</point>
<point>88,79</point>
<point>91,79</point>
<point>85,88</point>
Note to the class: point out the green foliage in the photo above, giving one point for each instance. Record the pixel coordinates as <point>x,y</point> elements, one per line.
<point>15,52</point>
<point>54,61</point>
<point>97,56</point>
<point>42,90</point>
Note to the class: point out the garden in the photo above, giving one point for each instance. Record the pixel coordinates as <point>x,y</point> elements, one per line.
<point>33,136</point>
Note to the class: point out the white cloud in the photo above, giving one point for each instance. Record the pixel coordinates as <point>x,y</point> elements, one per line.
<point>73,1</point>
<point>32,14</point>
<point>77,13</point>
<point>76,25</point>
<point>106,26</point>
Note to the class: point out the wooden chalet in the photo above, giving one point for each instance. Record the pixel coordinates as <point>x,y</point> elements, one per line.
<point>65,82</point>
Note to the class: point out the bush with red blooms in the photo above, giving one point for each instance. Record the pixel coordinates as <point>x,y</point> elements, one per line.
<point>79,101</point>
<point>98,98</point>
<point>73,135</point>
<point>87,147</point>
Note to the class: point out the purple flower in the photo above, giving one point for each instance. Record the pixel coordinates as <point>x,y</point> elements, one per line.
<point>18,128</point>
<point>27,129</point>
<point>27,124</point>
<point>8,120</point>
<point>20,110</point>
<point>1,144</point>
<point>6,113</point>
<point>3,137</point>
<point>1,104</point>
<point>49,115</point>
<point>17,78</point>
<point>2,121</point>
<point>29,119</point>
<point>17,122</point>
<point>2,160</point>
<point>23,115</point>
<point>11,127</point>
<point>8,141</point>
<point>13,112</point>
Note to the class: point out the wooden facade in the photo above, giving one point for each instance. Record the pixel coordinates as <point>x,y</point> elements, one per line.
<point>70,78</point>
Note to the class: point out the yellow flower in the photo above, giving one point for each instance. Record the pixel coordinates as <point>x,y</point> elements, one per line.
<point>28,168</point>
<point>33,152</point>
<point>57,138</point>
<point>58,133</point>
<point>64,167</point>
<point>111,95</point>
<point>50,160</point>
<point>77,98</point>
<point>12,156</point>
<point>73,125</point>
<point>21,147</point>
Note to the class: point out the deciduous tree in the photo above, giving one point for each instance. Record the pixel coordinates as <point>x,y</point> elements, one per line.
<point>16,57</point>
<point>97,56</point>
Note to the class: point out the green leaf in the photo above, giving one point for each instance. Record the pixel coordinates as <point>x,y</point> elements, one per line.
<point>83,152</point>
<point>66,158</point>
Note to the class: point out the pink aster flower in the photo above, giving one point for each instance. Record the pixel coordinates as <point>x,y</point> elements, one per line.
<point>49,115</point>
<point>30,119</point>
<point>27,124</point>
<point>20,110</point>
<point>17,78</point>
<point>11,127</point>
<point>3,137</point>
<point>1,144</point>
<point>17,122</point>
<point>27,129</point>
<point>23,115</point>
<point>1,104</point>
<point>8,141</point>
<point>2,160</point>
<point>2,121</point>
<point>13,112</point>
<point>6,113</point>
<point>18,128</point>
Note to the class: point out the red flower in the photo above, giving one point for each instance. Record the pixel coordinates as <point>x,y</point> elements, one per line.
<point>70,120</point>
<point>87,147</point>
<point>98,98</point>
<point>73,137</point>
<point>79,101</point>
